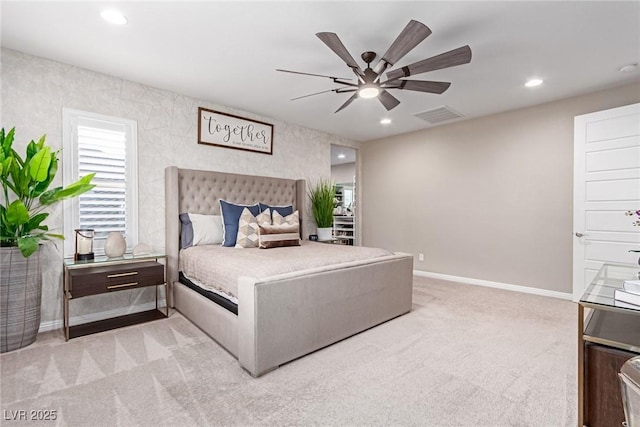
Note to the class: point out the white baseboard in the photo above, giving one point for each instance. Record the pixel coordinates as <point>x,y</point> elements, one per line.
<point>498,285</point>
<point>51,325</point>
<point>57,324</point>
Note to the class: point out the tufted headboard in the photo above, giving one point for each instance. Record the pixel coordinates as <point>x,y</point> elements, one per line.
<point>196,191</point>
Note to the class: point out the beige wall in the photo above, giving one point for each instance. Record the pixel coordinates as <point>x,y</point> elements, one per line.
<point>488,198</point>
<point>34,91</point>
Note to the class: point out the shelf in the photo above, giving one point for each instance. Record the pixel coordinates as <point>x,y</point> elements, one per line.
<point>114,323</point>
<point>70,263</point>
<point>344,229</point>
<point>614,329</point>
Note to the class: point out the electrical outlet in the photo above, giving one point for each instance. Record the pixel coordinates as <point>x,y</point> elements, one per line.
<point>420,257</point>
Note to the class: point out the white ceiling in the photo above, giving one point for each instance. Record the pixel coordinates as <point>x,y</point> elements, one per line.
<point>227,52</point>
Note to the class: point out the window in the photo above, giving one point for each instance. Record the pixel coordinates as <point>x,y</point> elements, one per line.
<point>107,146</point>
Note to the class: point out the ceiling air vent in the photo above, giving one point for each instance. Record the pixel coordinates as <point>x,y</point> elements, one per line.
<point>438,115</point>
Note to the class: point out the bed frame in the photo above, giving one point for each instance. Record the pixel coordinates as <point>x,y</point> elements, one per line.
<point>282,317</point>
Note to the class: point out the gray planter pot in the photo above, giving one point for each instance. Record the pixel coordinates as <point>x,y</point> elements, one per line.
<point>20,297</point>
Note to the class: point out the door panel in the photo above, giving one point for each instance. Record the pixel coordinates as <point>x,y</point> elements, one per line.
<point>606,220</point>
<point>624,123</point>
<point>619,189</point>
<point>621,158</point>
<point>611,252</point>
<point>606,184</point>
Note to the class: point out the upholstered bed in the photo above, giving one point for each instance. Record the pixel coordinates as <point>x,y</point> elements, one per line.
<point>281,315</point>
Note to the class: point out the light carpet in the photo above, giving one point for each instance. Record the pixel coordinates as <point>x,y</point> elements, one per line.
<point>464,356</point>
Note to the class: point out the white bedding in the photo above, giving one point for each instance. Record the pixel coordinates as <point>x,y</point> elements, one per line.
<point>217,268</point>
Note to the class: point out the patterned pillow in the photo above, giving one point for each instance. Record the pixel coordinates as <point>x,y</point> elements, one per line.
<point>230,217</point>
<point>277,236</point>
<point>292,219</point>
<point>248,228</point>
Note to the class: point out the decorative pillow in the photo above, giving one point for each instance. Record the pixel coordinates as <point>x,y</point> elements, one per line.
<point>282,210</point>
<point>230,218</point>
<point>292,219</point>
<point>277,236</point>
<point>186,231</point>
<point>248,228</point>
<point>198,229</point>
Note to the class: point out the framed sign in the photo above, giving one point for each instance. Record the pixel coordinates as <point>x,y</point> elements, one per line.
<point>227,130</point>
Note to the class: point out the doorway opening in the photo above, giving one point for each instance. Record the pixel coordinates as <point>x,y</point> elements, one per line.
<point>343,174</point>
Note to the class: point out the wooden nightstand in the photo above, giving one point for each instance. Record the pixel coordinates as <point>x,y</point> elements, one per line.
<point>104,275</point>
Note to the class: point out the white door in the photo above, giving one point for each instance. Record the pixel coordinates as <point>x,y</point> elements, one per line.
<point>606,184</point>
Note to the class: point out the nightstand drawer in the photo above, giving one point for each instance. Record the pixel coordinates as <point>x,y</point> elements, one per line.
<point>103,279</point>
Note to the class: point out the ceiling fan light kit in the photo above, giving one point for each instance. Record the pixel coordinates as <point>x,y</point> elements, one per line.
<point>369,81</point>
<point>368,90</point>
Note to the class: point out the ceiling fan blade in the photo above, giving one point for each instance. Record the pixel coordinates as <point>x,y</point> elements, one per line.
<point>333,42</point>
<point>459,56</point>
<point>313,94</point>
<point>346,104</point>
<point>337,90</point>
<point>412,35</point>
<point>389,101</point>
<point>420,86</point>
<point>311,74</point>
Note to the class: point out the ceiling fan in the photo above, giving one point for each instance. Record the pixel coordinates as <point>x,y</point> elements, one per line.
<point>369,83</point>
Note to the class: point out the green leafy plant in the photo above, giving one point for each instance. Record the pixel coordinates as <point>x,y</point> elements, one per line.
<point>322,202</point>
<point>25,185</point>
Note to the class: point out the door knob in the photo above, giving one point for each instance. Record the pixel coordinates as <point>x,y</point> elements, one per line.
<point>579,234</point>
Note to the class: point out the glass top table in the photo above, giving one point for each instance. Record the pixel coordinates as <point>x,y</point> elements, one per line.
<point>606,324</point>
<point>599,294</point>
<point>71,263</point>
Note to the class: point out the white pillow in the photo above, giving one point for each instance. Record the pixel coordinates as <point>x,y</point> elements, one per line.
<point>207,229</point>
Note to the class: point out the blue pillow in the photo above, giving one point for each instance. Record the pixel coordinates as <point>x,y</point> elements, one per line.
<point>186,231</point>
<point>282,210</point>
<point>230,218</point>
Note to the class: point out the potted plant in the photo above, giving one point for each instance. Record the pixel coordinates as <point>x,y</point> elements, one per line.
<point>26,195</point>
<point>322,203</point>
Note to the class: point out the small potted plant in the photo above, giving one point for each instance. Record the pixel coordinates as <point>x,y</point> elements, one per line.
<point>26,196</point>
<point>322,203</point>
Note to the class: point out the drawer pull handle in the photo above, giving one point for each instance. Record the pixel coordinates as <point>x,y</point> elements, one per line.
<point>124,285</point>
<point>111,276</point>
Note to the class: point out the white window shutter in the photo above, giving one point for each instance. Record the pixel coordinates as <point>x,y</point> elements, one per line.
<point>106,146</point>
<point>103,152</point>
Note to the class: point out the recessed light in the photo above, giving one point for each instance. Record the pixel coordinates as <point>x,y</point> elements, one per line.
<point>628,68</point>
<point>341,156</point>
<point>533,83</point>
<point>385,121</point>
<point>114,17</point>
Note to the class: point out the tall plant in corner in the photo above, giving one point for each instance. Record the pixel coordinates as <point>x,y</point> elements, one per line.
<point>26,195</point>
<point>25,186</point>
<point>322,202</point>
